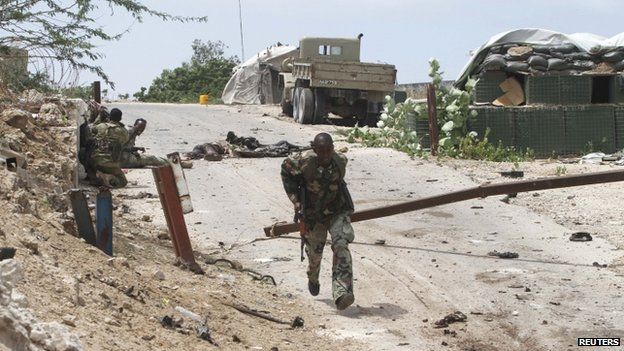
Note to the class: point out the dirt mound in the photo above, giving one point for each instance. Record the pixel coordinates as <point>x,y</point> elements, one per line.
<point>76,297</point>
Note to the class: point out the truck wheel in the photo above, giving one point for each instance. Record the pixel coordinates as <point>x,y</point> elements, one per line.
<point>306,106</point>
<point>296,108</point>
<point>320,110</point>
<point>368,120</point>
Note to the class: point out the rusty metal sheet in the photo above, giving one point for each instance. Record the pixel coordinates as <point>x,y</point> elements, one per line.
<point>82,216</point>
<point>470,193</point>
<point>104,221</point>
<point>180,182</point>
<point>165,183</point>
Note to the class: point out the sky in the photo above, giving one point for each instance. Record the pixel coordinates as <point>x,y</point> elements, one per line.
<point>400,32</point>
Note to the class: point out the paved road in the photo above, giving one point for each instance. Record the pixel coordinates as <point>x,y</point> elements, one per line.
<point>434,262</point>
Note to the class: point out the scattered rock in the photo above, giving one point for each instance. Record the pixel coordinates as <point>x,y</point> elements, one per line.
<point>30,245</point>
<point>118,262</point>
<point>148,337</point>
<point>235,338</point>
<point>70,320</point>
<point>146,218</point>
<point>506,254</point>
<point>7,253</point>
<point>297,322</point>
<point>581,236</point>
<point>159,275</point>
<point>380,242</point>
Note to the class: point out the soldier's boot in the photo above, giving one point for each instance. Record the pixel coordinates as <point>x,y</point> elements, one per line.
<point>107,180</point>
<point>344,301</point>
<point>314,288</point>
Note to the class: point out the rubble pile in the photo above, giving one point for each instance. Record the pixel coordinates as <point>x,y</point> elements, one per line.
<point>19,329</point>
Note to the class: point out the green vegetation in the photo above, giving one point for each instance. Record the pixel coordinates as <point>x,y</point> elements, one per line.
<point>207,73</point>
<point>396,126</point>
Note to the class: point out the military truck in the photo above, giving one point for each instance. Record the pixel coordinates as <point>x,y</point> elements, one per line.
<point>329,77</point>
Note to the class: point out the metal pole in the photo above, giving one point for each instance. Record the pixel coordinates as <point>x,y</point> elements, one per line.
<point>82,216</point>
<point>104,221</point>
<point>433,119</point>
<point>470,193</point>
<point>170,200</point>
<point>240,20</point>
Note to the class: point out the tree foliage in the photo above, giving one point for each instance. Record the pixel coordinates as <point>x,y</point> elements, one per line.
<point>62,35</point>
<point>207,73</point>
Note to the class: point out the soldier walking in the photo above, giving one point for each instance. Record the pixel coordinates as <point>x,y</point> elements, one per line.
<point>327,206</point>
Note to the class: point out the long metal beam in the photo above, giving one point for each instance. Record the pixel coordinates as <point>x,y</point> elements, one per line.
<point>481,191</point>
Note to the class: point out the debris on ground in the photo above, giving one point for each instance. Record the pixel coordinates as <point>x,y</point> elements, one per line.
<point>506,254</point>
<point>451,318</point>
<point>512,174</point>
<point>581,236</point>
<point>380,242</point>
<point>596,264</point>
<point>7,253</point>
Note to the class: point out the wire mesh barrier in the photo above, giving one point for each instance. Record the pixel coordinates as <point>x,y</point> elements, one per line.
<point>553,130</point>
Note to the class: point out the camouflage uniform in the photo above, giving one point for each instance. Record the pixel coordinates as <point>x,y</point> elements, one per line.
<point>109,138</point>
<point>130,157</point>
<point>328,208</point>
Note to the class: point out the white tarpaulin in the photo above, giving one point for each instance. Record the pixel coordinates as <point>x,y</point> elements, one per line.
<point>252,81</point>
<point>587,42</point>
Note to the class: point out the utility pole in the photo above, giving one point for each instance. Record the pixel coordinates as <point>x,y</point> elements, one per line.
<point>240,20</point>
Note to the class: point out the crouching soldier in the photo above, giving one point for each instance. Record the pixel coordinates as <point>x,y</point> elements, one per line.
<point>327,206</point>
<point>130,156</point>
<point>109,139</point>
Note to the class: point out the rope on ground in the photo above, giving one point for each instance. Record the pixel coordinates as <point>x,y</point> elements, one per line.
<point>239,267</point>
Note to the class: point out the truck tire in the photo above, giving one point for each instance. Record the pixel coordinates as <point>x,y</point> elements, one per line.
<point>306,106</point>
<point>320,109</point>
<point>370,120</point>
<point>296,109</point>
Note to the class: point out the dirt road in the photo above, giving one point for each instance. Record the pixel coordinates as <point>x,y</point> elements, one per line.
<point>434,262</point>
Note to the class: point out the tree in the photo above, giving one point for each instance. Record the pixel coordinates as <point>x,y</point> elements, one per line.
<point>64,32</point>
<point>207,73</point>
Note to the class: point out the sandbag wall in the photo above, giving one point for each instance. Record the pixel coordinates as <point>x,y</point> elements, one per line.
<point>553,130</point>
<point>572,99</point>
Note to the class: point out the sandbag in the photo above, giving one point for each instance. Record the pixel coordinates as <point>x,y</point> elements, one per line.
<point>522,52</point>
<point>564,48</point>
<point>542,49</point>
<point>613,56</point>
<point>537,62</point>
<point>516,66</point>
<point>618,66</point>
<point>556,64</point>
<point>582,65</point>
<point>493,62</point>
<point>581,56</point>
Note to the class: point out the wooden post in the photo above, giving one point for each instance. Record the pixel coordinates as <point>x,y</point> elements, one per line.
<point>97,92</point>
<point>433,119</point>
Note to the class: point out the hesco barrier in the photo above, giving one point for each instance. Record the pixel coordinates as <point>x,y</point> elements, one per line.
<point>619,127</point>
<point>487,88</point>
<point>540,129</point>
<point>558,89</point>
<point>553,130</point>
<point>616,89</point>
<point>590,127</point>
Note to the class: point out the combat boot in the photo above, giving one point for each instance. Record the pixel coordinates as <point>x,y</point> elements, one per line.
<point>344,301</point>
<point>314,288</point>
